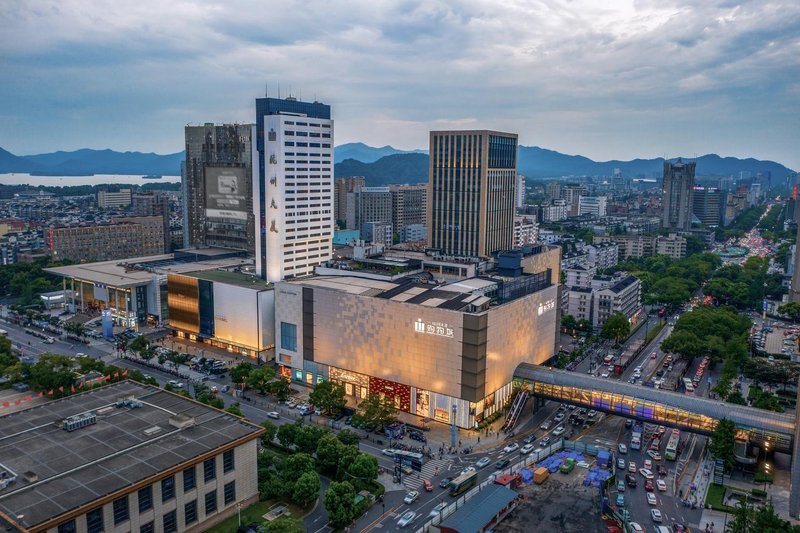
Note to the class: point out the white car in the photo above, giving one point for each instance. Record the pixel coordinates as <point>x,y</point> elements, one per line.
<point>438,509</point>
<point>661,485</point>
<point>648,464</point>
<point>511,447</point>
<point>273,414</point>
<point>592,413</point>
<point>483,461</point>
<point>406,519</point>
<point>559,431</point>
<point>647,474</point>
<point>468,470</point>
<point>411,497</point>
<point>622,448</point>
<point>290,404</point>
<point>654,454</point>
<point>604,375</point>
<point>545,426</point>
<point>559,417</point>
<point>388,451</point>
<point>635,528</point>
<point>621,464</point>
<point>651,499</point>
<point>656,515</point>
<point>525,449</point>
<point>632,467</point>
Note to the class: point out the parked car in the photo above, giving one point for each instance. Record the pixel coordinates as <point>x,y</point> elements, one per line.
<point>621,463</point>
<point>592,413</point>
<point>661,470</point>
<point>648,464</point>
<point>559,417</point>
<point>622,448</point>
<point>545,426</point>
<point>620,500</point>
<point>632,467</point>
<point>621,486</point>
<point>468,470</point>
<point>631,480</point>
<point>635,528</point>
<point>411,497</point>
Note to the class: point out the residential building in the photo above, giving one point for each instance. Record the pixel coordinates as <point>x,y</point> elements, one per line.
<point>707,205</point>
<point>373,204</point>
<point>217,187</point>
<point>415,233</point>
<point>113,199</point>
<point>677,195</point>
<point>578,303</point>
<point>377,232</point>
<point>125,457</point>
<point>409,206</point>
<point>579,276</point>
<point>153,204</point>
<point>520,191</point>
<point>479,168</point>
<point>428,346</point>
<point>126,237</point>
<point>556,211</point>
<point>344,199</point>
<point>293,187</point>
<point>526,232</point>
<point>592,205</point>
<point>571,193</point>
<point>638,246</point>
<point>603,255</point>
<point>553,190</point>
<point>619,295</point>
<point>672,245</point>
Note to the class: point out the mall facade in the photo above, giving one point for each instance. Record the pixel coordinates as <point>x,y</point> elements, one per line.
<point>444,351</point>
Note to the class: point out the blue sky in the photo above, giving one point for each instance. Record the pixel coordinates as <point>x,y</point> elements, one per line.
<point>616,79</point>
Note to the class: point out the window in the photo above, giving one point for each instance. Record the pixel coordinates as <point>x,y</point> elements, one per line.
<point>211,502</point>
<point>121,512</point>
<point>145,498</point>
<point>189,479</point>
<point>94,521</point>
<point>289,336</point>
<point>230,492</point>
<point>149,527</point>
<point>227,461</point>
<point>68,527</point>
<point>171,521</point>
<point>190,512</point>
<point>167,488</point>
<point>209,469</point>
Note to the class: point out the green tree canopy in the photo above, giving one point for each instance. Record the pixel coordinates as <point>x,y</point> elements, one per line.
<point>306,489</point>
<point>617,327</point>
<point>328,397</point>
<point>241,372</point>
<point>271,431</point>
<point>377,411</point>
<point>723,442</point>
<point>340,503</point>
<point>329,449</point>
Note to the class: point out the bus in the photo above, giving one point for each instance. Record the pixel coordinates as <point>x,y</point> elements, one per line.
<point>463,483</point>
<point>412,459</point>
<point>671,452</point>
<point>688,385</point>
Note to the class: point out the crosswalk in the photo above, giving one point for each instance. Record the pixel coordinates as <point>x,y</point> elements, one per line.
<point>414,481</point>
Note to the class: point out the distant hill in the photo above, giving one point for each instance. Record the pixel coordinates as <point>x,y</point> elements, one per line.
<point>398,168</point>
<point>366,154</point>
<point>86,161</point>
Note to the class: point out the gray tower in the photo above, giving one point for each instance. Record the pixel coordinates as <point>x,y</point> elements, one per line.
<point>677,196</point>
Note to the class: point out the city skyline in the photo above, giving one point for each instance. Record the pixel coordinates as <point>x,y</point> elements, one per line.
<point>650,80</point>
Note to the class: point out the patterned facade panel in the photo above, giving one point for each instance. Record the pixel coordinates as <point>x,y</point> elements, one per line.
<point>401,393</point>
<point>184,307</point>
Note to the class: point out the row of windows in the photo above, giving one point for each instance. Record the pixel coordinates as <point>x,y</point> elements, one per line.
<point>307,145</point>
<point>311,125</point>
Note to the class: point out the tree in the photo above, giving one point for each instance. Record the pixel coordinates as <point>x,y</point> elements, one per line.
<point>235,409</point>
<point>723,441</point>
<point>364,470</point>
<point>378,411</point>
<point>340,503</point>
<point>568,322</point>
<point>735,397</point>
<point>286,524</point>
<point>346,458</point>
<point>286,434</point>
<point>328,397</point>
<point>296,465</point>
<point>743,519</point>
<point>617,327</point>
<point>139,344</point>
<point>329,449</point>
<point>348,437</point>
<point>260,379</point>
<point>269,434</point>
<point>685,343</point>
<point>792,310</point>
<point>306,489</point>
<point>241,372</point>
<point>307,437</point>
<point>280,388</point>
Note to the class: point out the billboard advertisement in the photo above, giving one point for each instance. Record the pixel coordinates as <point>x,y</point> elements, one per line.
<point>226,192</point>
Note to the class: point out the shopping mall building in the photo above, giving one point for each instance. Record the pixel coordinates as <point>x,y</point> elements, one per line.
<point>431,346</point>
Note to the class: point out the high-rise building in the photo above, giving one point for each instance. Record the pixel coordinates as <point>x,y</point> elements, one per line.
<point>344,199</point>
<point>149,204</point>
<point>293,189</point>
<point>218,187</point>
<point>125,237</point>
<point>373,204</point>
<point>592,205</point>
<point>794,293</point>
<point>409,206</point>
<point>676,198</point>
<point>110,199</point>
<point>707,205</point>
<point>572,192</point>
<point>553,190</point>
<point>520,191</point>
<point>471,192</point>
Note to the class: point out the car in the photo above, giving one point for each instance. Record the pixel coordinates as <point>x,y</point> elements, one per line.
<point>411,497</point>
<point>632,467</point>
<point>483,461</point>
<point>592,413</point>
<point>511,447</point>
<point>647,474</point>
<point>622,448</point>
<point>635,528</point>
<point>559,417</point>
<point>621,500</point>
<point>661,484</point>
<point>651,499</point>
<point>573,407</point>
<point>444,483</point>
<point>559,430</point>
<point>628,423</point>
<point>274,415</point>
<point>545,441</point>
<point>648,486</point>
<point>529,439</point>
<point>428,485</point>
<point>582,411</point>
<point>562,407</point>
<point>662,471</point>
<point>621,463</point>
<point>661,430</point>
<point>621,486</point>
<point>468,470</point>
<point>388,451</point>
<point>525,449</point>
<point>501,464</point>
<point>653,355</point>
<point>604,375</point>
<point>631,480</point>
<point>648,464</point>
<point>438,509</point>
<point>406,519</point>
<point>654,454</point>
<point>545,426</point>
<point>537,451</point>
<point>655,514</point>
<point>291,404</point>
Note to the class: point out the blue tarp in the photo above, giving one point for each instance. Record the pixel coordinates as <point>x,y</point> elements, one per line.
<point>527,475</point>
<point>554,462</point>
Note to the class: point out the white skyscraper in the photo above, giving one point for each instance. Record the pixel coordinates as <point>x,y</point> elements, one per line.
<point>293,197</point>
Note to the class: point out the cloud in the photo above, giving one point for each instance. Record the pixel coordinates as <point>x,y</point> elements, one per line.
<point>607,79</point>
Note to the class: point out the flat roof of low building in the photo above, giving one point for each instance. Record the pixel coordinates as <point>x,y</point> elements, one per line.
<point>232,278</point>
<point>59,471</point>
<point>138,271</point>
<point>481,509</point>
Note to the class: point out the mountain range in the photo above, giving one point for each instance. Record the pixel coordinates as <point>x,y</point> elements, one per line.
<point>380,165</point>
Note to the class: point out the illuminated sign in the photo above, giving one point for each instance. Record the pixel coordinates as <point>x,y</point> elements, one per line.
<point>549,305</point>
<point>433,328</point>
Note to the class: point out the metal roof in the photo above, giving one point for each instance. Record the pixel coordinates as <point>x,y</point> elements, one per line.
<point>480,509</point>
<point>739,414</point>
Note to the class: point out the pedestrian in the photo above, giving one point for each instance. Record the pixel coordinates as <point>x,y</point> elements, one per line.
<point>479,439</point>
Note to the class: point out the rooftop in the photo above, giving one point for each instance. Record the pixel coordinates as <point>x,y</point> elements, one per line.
<point>59,470</point>
<point>482,508</point>
<point>232,278</point>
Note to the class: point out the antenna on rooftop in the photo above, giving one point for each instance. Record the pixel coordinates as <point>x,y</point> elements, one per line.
<point>266,90</point>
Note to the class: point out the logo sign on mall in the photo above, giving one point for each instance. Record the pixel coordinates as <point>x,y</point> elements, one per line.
<point>549,305</point>
<point>433,328</point>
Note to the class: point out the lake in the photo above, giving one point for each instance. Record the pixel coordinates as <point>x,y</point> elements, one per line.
<point>97,179</point>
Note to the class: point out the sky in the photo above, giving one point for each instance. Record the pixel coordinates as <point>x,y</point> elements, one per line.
<point>617,79</point>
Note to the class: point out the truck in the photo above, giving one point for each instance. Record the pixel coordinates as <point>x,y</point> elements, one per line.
<point>636,436</point>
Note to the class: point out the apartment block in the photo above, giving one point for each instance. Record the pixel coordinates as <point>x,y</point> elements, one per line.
<point>526,232</point>
<point>125,237</point>
<point>110,200</point>
<point>409,206</point>
<point>344,199</point>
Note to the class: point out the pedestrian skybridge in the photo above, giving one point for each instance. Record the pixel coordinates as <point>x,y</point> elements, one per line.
<point>683,411</point>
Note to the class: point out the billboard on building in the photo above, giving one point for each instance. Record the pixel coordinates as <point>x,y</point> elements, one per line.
<point>226,192</point>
